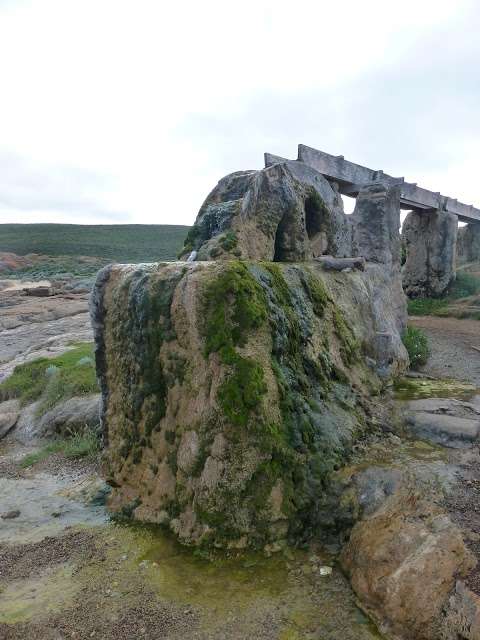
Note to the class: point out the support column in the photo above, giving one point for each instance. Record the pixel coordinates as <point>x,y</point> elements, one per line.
<point>376,222</point>
<point>430,240</point>
<point>376,234</point>
<point>468,245</point>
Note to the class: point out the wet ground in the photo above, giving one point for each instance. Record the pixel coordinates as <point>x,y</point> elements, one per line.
<point>67,571</point>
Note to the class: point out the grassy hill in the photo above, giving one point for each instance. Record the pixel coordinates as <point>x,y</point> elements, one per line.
<point>114,243</point>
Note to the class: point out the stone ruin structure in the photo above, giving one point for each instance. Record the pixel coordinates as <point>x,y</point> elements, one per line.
<point>234,380</point>
<point>269,334</point>
<point>237,381</point>
<point>430,230</point>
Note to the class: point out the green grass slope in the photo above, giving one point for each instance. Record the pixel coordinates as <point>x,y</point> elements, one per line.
<point>115,243</point>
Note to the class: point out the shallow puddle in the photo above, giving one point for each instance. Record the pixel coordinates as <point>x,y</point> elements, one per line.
<point>419,389</point>
<point>229,595</point>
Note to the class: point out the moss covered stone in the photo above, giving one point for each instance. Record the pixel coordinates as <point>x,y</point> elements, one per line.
<point>227,420</point>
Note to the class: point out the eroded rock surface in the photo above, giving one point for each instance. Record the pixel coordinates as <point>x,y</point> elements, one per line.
<point>232,389</point>
<point>430,240</point>
<point>287,212</point>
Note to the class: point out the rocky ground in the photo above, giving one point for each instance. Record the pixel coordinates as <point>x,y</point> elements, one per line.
<point>33,327</point>
<point>67,571</point>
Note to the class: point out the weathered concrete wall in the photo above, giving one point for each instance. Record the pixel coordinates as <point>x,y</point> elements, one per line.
<point>232,389</point>
<point>468,244</point>
<point>430,241</point>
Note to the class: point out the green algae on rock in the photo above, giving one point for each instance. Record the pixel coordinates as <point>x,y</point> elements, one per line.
<point>232,390</point>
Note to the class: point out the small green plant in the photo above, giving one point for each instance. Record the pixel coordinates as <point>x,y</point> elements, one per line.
<point>85,444</point>
<point>416,343</point>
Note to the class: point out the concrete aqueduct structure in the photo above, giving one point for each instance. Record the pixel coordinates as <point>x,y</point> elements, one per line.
<point>430,233</point>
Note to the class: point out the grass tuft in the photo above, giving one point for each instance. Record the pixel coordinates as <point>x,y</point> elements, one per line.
<point>79,445</point>
<point>416,343</point>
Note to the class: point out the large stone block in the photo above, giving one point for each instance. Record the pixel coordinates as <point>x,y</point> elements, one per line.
<point>286,212</point>
<point>232,389</point>
<point>376,237</point>
<point>430,240</point>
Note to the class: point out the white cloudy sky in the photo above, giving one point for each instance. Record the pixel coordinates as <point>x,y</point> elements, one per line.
<point>131,110</point>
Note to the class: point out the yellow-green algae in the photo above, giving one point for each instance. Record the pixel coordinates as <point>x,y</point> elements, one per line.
<point>249,587</point>
<point>30,598</point>
<point>422,388</point>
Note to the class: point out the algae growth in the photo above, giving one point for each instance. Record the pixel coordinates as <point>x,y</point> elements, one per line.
<point>237,592</point>
<point>419,388</point>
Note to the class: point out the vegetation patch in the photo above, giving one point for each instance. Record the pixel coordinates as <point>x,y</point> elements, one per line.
<point>416,343</point>
<point>53,379</point>
<point>462,300</point>
<point>234,306</point>
<point>349,347</point>
<point>143,321</point>
<point>79,445</point>
<point>113,242</point>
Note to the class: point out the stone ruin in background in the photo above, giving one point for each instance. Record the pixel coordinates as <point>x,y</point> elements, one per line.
<point>292,211</point>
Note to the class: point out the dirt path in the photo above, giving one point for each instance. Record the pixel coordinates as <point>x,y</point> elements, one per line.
<point>451,341</point>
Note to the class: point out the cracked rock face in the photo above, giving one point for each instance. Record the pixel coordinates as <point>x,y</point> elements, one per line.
<point>231,390</point>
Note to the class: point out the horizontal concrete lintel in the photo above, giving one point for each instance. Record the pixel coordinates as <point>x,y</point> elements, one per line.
<point>349,175</point>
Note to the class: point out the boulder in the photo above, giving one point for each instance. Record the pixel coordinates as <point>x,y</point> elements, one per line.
<point>403,561</point>
<point>71,416</point>
<point>430,242</point>
<point>9,413</point>
<point>286,212</point>
<point>232,389</point>
<point>67,417</point>
<point>444,421</point>
<point>446,430</point>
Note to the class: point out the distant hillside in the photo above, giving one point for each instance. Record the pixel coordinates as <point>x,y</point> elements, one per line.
<point>116,242</point>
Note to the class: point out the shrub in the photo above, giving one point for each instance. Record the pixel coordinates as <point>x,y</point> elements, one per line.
<point>416,343</point>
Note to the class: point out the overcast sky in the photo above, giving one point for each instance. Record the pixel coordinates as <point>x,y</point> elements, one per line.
<point>132,110</point>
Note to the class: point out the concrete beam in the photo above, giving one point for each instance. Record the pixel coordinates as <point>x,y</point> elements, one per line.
<point>352,177</point>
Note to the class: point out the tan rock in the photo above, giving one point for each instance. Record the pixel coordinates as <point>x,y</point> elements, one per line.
<point>403,562</point>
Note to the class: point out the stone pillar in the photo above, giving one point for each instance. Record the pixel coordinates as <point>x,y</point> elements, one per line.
<point>430,239</point>
<point>376,233</point>
<point>468,244</point>
<point>376,222</point>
